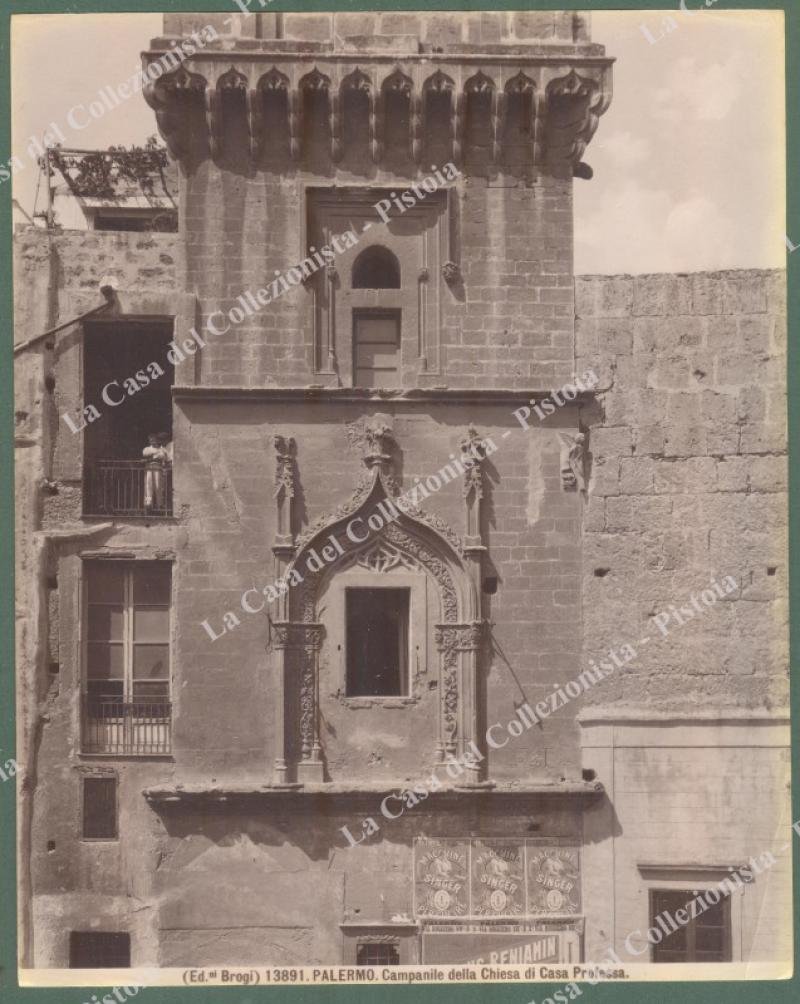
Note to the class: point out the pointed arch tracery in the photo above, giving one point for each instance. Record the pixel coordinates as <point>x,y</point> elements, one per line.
<point>406,535</point>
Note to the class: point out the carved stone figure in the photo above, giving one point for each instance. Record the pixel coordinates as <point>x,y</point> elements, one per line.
<point>573,461</point>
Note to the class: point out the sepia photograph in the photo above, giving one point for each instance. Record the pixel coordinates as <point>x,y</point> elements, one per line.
<point>401,472</point>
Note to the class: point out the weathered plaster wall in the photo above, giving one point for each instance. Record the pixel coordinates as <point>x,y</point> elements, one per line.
<point>305,881</point>
<point>56,277</point>
<point>686,791</point>
<point>688,483</point>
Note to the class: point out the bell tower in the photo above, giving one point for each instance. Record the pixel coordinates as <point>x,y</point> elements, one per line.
<point>449,141</point>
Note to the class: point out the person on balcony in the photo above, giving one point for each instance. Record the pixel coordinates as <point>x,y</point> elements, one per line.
<point>158,454</point>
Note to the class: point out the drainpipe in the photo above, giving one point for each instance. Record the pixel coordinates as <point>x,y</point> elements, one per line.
<point>107,288</point>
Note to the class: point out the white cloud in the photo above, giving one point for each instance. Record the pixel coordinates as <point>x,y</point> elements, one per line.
<point>639,229</point>
<point>706,93</point>
<point>623,149</point>
<point>699,232</point>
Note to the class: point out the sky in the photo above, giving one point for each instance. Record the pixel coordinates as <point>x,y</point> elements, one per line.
<point>688,161</point>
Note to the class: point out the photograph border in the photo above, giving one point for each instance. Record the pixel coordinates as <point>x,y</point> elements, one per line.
<point>513,993</point>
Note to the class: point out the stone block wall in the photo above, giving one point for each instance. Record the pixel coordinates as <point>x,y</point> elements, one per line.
<point>508,324</point>
<point>224,470</point>
<point>410,30</point>
<point>688,485</point>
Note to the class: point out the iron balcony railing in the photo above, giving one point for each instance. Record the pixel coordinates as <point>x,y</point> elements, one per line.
<point>135,488</point>
<point>135,728</point>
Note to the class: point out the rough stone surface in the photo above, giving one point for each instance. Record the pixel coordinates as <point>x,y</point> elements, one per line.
<point>688,484</point>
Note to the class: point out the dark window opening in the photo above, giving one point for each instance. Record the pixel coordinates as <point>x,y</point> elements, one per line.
<point>377,953</point>
<point>478,126</point>
<point>99,950</point>
<point>376,268</point>
<point>705,938</point>
<point>128,378</point>
<point>316,122</point>
<point>397,121</point>
<point>438,126</point>
<point>377,642</point>
<point>355,127</point>
<point>164,222</point>
<point>100,808</point>
<point>376,348</point>
<point>518,124</point>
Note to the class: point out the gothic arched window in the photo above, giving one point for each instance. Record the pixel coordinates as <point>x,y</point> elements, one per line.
<point>376,268</point>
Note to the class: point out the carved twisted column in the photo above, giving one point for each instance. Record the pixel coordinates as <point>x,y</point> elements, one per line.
<point>458,646</point>
<point>309,639</point>
<point>283,551</point>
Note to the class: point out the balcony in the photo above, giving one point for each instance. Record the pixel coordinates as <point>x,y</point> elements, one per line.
<point>137,489</point>
<point>130,728</point>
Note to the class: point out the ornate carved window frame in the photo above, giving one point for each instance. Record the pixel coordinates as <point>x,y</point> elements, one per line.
<point>332,211</point>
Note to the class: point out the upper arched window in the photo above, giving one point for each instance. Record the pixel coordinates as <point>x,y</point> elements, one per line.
<point>376,268</point>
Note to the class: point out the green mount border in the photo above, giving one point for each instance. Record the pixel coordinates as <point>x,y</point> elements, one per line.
<point>776,992</point>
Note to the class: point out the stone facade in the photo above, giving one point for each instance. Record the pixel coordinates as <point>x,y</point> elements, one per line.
<point>518,568</point>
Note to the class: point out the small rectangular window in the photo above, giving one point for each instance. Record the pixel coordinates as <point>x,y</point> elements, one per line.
<point>376,348</point>
<point>100,808</point>
<point>376,953</point>
<point>99,950</point>
<point>705,938</point>
<point>377,642</point>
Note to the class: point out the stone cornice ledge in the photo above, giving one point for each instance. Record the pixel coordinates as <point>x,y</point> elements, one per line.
<point>200,793</point>
<point>633,716</point>
<point>351,394</point>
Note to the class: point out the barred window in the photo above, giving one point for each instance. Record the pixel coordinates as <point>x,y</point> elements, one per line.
<point>378,953</point>
<point>99,950</point>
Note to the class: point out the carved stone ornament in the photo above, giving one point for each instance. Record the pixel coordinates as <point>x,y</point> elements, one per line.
<point>398,83</point>
<point>357,81</point>
<point>284,466</point>
<point>315,82</point>
<point>379,442</point>
<point>296,634</point>
<point>440,83</point>
<point>451,272</point>
<point>472,456</point>
<point>383,558</point>
<point>414,554</point>
<point>569,93</point>
<point>479,84</point>
<point>573,461</point>
<point>402,539</point>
